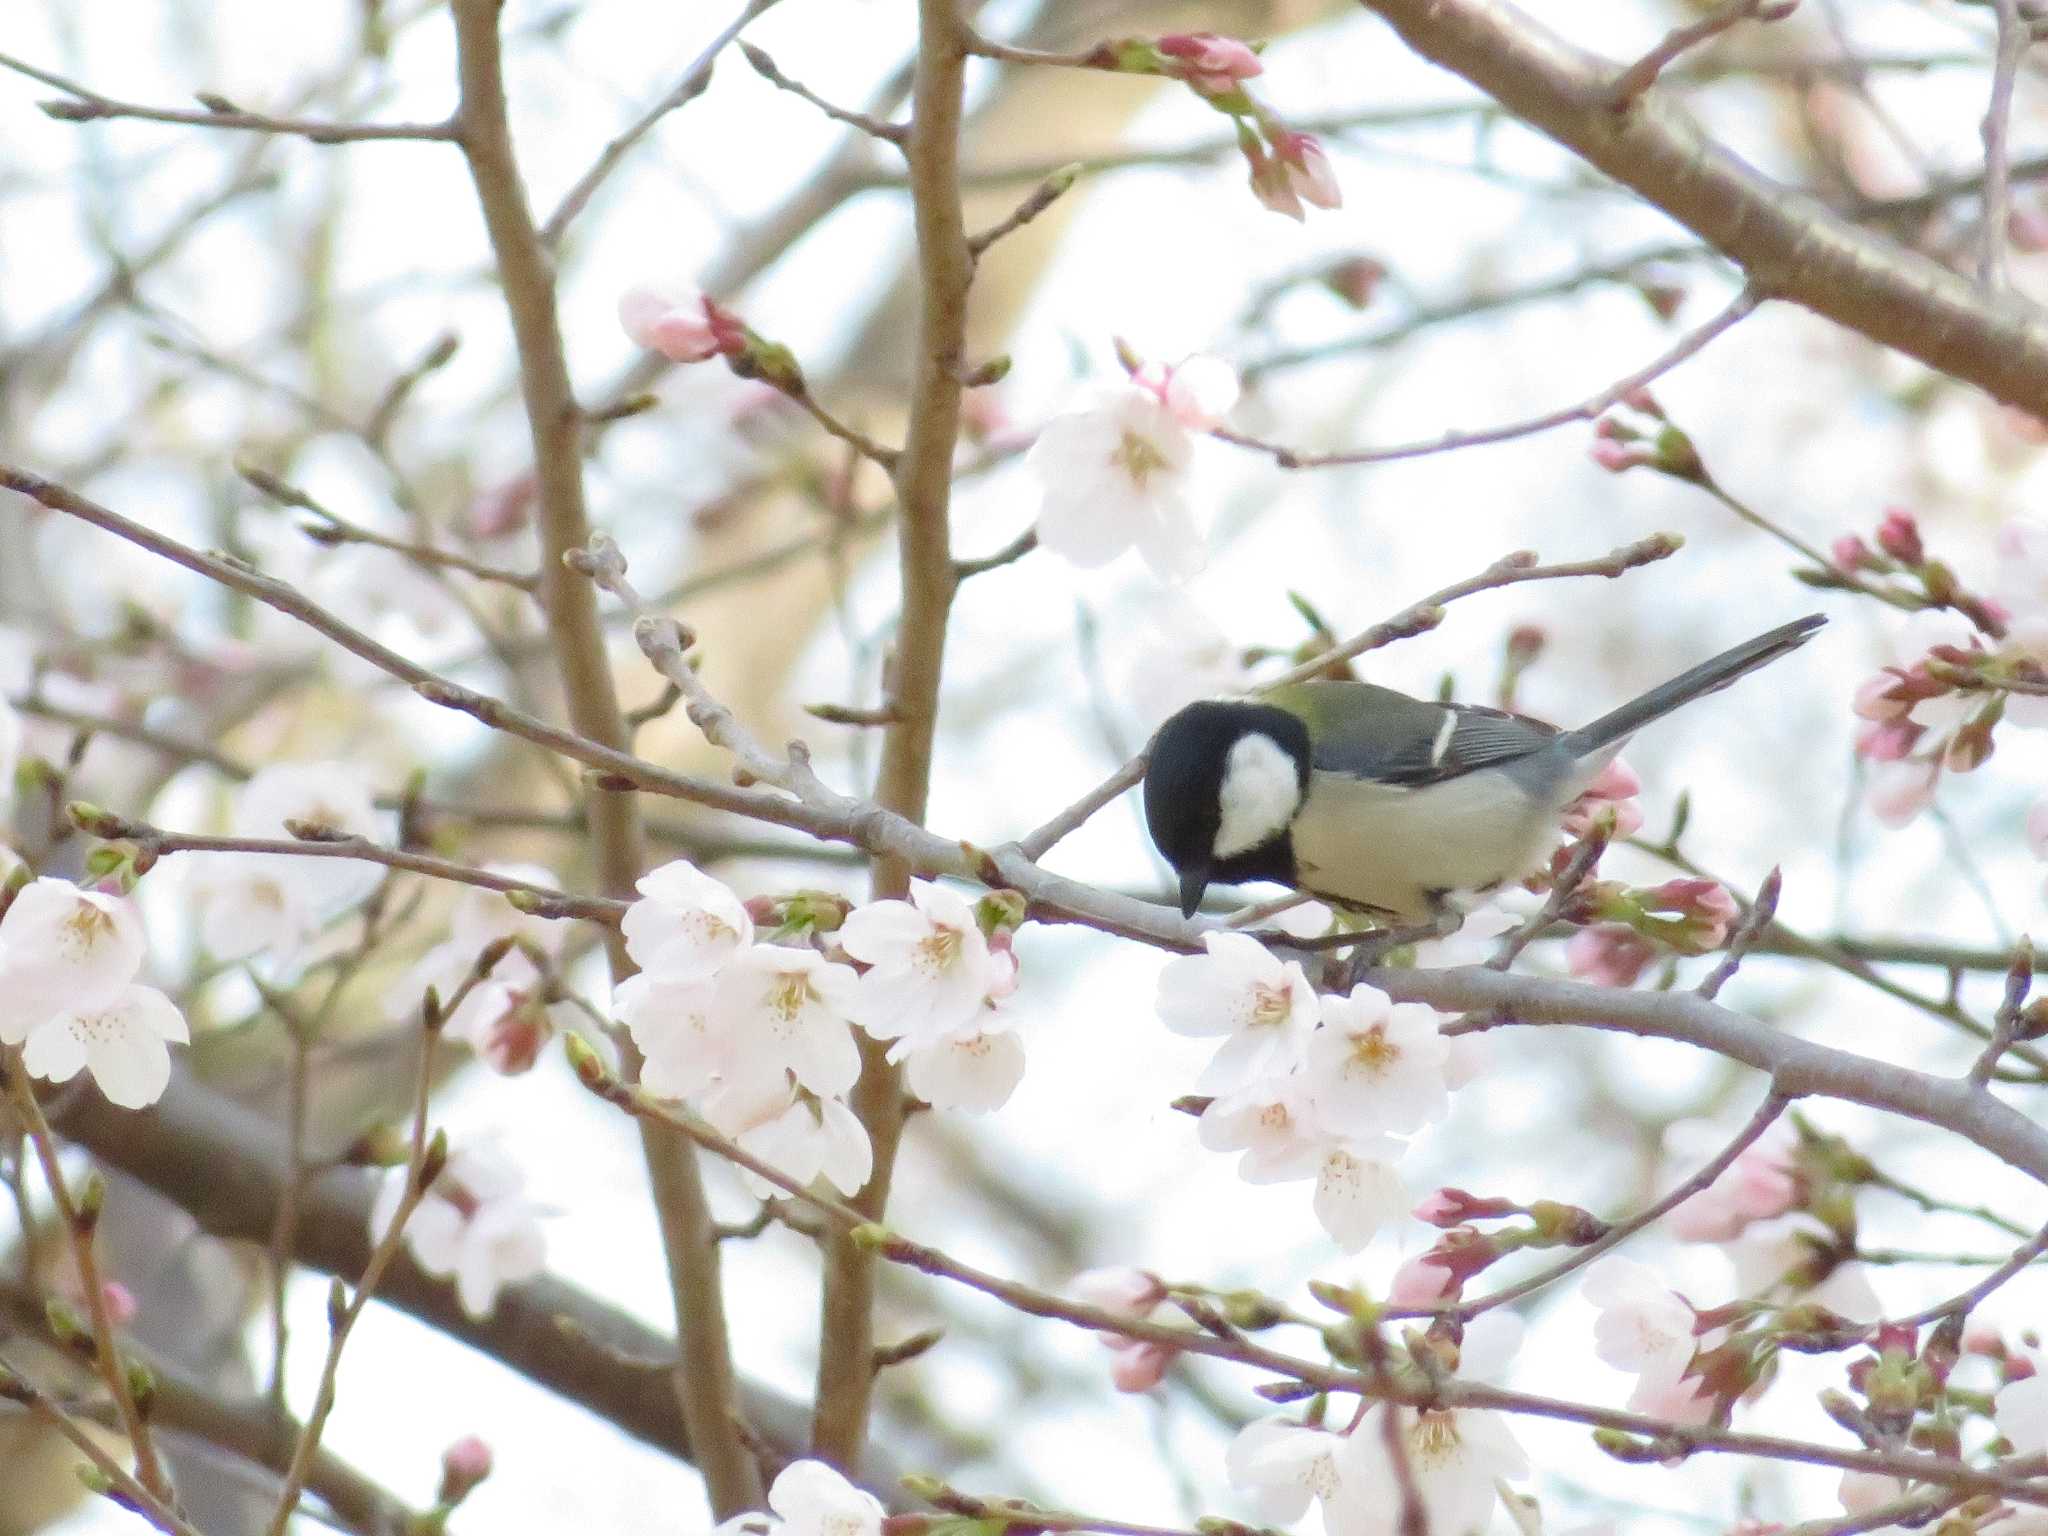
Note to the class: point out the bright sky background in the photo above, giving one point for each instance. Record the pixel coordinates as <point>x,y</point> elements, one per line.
<point>1801,418</point>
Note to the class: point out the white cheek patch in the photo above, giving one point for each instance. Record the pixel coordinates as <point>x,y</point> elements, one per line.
<point>1261,792</point>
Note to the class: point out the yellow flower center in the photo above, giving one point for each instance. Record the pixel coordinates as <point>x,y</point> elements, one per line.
<point>1435,1436</point>
<point>788,994</point>
<point>1373,1052</point>
<point>1139,457</point>
<point>938,951</point>
<point>85,928</point>
<point>1271,1006</point>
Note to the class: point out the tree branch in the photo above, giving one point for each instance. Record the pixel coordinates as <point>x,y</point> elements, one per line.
<point>704,1376</point>
<point>1789,244</point>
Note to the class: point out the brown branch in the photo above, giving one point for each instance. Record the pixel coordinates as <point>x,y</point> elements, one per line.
<point>703,1378</point>
<point>924,559</point>
<point>1685,347</point>
<point>17,1388</point>
<point>333,529</point>
<point>1043,196</point>
<point>687,89</point>
<point>83,105</point>
<point>1789,245</point>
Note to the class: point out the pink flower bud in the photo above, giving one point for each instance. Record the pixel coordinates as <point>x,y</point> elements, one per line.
<point>1898,535</point>
<point>1640,399</point>
<point>1882,697</point>
<point>1138,1366</point>
<point>1121,1289</point>
<point>1308,170</point>
<point>463,1465</point>
<point>511,1043</point>
<point>684,328</point>
<point>1419,1282</point>
<point>120,1303</point>
<point>1269,180</point>
<point>1703,905</point>
<point>1355,280</point>
<point>1617,781</point>
<point>1852,554</point>
<point>1452,1207</point>
<point>1616,457</point>
<point>1608,955</point>
<point>1887,741</point>
<point>1212,57</point>
<point>1983,1339</point>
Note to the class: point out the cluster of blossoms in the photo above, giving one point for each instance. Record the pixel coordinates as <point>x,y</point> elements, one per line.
<point>69,997</point>
<point>759,1035</point>
<point>1309,1087</point>
<point>1452,1458</point>
<point>473,1225</point>
<point>1965,661</point>
<point>810,1498</point>
<point>262,904</point>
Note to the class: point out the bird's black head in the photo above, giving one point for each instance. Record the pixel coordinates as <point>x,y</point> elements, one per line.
<point>1225,781</point>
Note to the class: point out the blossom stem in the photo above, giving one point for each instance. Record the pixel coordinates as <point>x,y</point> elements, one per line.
<point>79,1228</point>
<point>17,1388</point>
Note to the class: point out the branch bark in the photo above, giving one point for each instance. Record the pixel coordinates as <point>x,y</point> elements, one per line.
<point>924,485</point>
<point>704,1382</point>
<point>1790,245</point>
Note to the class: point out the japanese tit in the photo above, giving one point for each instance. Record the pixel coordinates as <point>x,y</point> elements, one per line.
<point>1378,801</point>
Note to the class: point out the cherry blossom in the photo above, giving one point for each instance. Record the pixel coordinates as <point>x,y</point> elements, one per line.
<point>1358,1190</point>
<point>1113,473</point>
<point>123,1041</point>
<point>1212,64</point>
<point>805,1136</point>
<point>810,1498</point>
<point>682,1052</point>
<point>928,966</point>
<point>474,1224</point>
<point>1183,657</point>
<point>1418,1282</point>
<point>788,1009</point>
<point>1282,1466</point>
<point>1119,1288</point>
<point>1455,1457</point>
<point>63,947</point>
<point>682,325</point>
<point>1308,170</point>
<point>1376,1066</point>
<point>1643,1326</point>
<point>975,1069</point>
<point>1272,1123</point>
<point>1777,1256</point>
<point>686,924</point>
<point>1613,794</point>
<point>1263,1007</point>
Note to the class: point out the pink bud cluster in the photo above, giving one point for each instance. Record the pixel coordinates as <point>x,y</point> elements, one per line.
<point>1136,1365</point>
<point>684,327</point>
<point>1627,928</point>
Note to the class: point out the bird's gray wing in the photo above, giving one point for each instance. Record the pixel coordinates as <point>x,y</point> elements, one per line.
<point>1375,733</point>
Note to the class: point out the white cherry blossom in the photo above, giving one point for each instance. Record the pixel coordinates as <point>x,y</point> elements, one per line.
<point>810,1498</point>
<point>1281,1466</point>
<point>1114,476</point>
<point>686,924</point>
<point>1455,1456</point>
<point>1769,1251</point>
<point>928,966</point>
<point>1272,1124</point>
<point>682,1052</point>
<point>785,1008</point>
<point>123,1041</point>
<point>473,1225</point>
<point>63,948</point>
<point>1376,1066</point>
<point>1643,1325</point>
<point>975,1069</point>
<point>1359,1190</point>
<point>1263,1008</point>
<point>802,1135</point>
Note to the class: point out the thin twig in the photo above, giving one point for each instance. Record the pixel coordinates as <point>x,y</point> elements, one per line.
<point>688,88</point>
<point>1640,76</point>
<point>1043,196</point>
<point>15,1387</point>
<point>333,529</point>
<point>2013,37</point>
<point>84,105</point>
<point>874,127</point>
<point>2005,1023</point>
<point>1009,554</point>
<point>80,1227</point>
<point>1693,342</point>
<point>1761,910</point>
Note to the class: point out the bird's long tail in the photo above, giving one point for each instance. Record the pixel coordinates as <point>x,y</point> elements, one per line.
<point>1687,686</point>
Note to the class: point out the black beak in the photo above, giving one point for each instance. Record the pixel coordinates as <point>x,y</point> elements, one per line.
<point>1194,883</point>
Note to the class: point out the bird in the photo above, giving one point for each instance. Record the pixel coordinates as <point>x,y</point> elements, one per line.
<point>1386,804</point>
